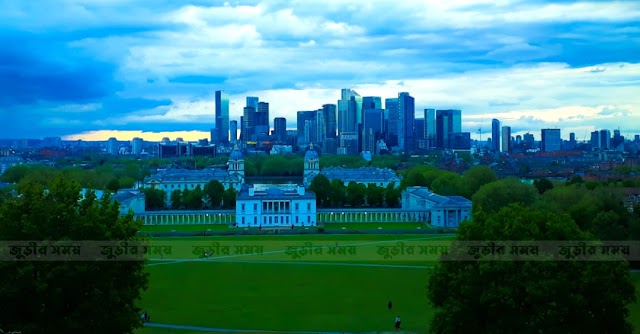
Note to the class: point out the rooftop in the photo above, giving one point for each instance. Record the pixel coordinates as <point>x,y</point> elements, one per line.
<point>274,193</point>
<point>426,194</point>
<point>177,175</point>
<point>362,173</point>
<point>126,194</point>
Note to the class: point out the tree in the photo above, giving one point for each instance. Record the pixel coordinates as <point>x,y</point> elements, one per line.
<point>494,196</point>
<point>356,193</point>
<point>229,198</point>
<point>542,185</point>
<point>177,199</point>
<point>475,178</point>
<point>213,192</point>
<point>392,196</point>
<point>338,193</point>
<point>447,184</point>
<point>68,296</point>
<point>154,198</point>
<point>192,200</point>
<point>528,296</point>
<point>375,195</point>
<point>113,185</point>
<point>321,186</point>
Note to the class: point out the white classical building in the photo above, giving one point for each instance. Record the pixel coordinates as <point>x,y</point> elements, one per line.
<point>275,205</point>
<point>365,175</point>
<point>444,211</point>
<point>180,179</point>
<point>130,199</point>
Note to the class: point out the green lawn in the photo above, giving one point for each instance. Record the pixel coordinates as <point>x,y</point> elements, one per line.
<point>293,296</point>
<point>373,226</point>
<point>184,228</point>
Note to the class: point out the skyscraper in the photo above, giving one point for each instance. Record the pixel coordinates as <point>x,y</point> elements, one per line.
<point>261,121</point>
<point>305,125</point>
<point>391,119</point>
<point>222,116</point>
<point>605,139</point>
<point>252,101</point>
<point>406,117</point>
<point>551,140</point>
<point>280,129</point>
<point>371,102</point>
<point>349,111</point>
<point>372,128</point>
<point>595,140</point>
<point>234,131</point>
<point>136,146</point>
<point>430,127</point>
<point>506,139</point>
<point>495,135</point>
<point>329,115</point>
<point>112,146</point>
<point>447,122</point>
<point>248,124</point>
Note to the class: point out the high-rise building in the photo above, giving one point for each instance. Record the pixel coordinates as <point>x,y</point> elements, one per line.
<point>418,127</point>
<point>248,124</point>
<point>349,111</point>
<point>252,101</point>
<point>371,102</point>
<point>551,140</point>
<point>222,117</point>
<point>447,122</point>
<point>495,135</point>
<point>595,140</point>
<point>506,139</point>
<point>406,117</point>
<point>636,138</point>
<point>605,139</point>
<point>136,146</point>
<point>391,118</point>
<point>528,140</point>
<point>261,121</point>
<point>329,118</point>
<point>305,122</point>
<point>460,140</point>
<point>430,127</point>
<point>234,131</point>
<point>112,146</point>
<point>372,129</point>
<point>280,129</point>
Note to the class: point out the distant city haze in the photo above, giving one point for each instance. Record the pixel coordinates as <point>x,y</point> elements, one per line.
<point>128,69</point>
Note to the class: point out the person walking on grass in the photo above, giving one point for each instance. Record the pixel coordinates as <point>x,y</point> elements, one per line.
<point>390,305</point>
<point>398,322</point>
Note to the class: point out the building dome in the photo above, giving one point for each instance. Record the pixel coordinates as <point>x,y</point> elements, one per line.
<point>311,154</point>
<point>235,154</point>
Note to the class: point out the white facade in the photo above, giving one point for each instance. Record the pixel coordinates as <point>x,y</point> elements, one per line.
<point>130,199</point>
<point>311,166</point>
<point>445,211</point>
<point>275,205</point>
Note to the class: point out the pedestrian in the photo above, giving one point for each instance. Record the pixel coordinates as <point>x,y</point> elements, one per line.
<point>390,305</point>
<point>398,322</point>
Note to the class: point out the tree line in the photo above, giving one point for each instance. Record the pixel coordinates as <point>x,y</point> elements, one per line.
<point>213,196</point>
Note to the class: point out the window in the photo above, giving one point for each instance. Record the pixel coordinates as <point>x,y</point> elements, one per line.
<point>308,206</point>
<point>255,220</point>
<point>255,207</point>
<point>242,206</point>
<point>242,220</point>
<point>297,206</point>
<point>276,219</point>
<point>297,219</point>
<point>308,219</point>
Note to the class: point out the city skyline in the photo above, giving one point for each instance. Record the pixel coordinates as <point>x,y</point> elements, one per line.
<point>123,66</point>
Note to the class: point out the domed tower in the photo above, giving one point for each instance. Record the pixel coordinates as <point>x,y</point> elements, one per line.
<point>236,168</point>
<point>311,165</point>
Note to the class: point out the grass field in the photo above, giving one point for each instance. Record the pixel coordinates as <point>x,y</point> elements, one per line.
<point>290,296</point>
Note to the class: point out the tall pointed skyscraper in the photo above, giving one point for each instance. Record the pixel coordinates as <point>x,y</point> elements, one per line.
<point>222,117</point>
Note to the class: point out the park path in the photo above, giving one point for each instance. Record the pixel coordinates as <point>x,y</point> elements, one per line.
<point>227,330</point>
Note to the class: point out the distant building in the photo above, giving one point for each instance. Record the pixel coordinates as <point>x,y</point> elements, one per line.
<point>130,199</point>
<point>222,117</point>
<point>495,135</point>
<point>112,146</point>
<point>447,122</point>
<point>349,142</point>
<point>605,139</point>
<point>136,146</point>
<point>311,166</point>
<point>280,129</point>
<point>275,205</point>
<point>8,162</point>
<point>281,149</point>
<point>506,139</point>
<point>180,179</point>
<point>445,211</point>
<point>460,140</point>
<point>430,128</point>
<point>233,125</point>
<point>551,140</point>
<point>363,175</point>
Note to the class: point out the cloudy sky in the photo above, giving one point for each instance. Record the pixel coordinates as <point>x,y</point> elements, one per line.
<point>98,68</point>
